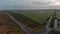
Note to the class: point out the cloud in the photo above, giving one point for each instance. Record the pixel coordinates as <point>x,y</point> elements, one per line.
<point>8,4</point>
<point>40,3</point>
<point>26,4</point>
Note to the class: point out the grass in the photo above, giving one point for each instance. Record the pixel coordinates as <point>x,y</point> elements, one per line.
<point>39,16</point>
<point>58,14</point>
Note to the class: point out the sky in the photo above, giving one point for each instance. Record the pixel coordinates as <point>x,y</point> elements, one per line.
<point>29,4</point>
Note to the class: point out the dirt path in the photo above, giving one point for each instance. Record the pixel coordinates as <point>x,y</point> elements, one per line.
<point>9,26</point>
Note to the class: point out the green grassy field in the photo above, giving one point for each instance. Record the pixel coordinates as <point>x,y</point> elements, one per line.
<point>58,14</point>
<point>39,16</point>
